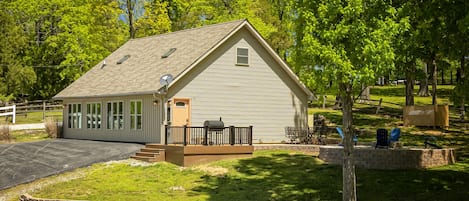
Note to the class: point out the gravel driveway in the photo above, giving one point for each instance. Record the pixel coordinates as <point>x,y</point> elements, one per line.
<point>26,162</point>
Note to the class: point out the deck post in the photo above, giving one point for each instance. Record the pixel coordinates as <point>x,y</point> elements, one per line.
<point>185,135</point>
<point>205,135</point>
<point>232,135</point>
<point>250,135</point>
<point>166,134</point>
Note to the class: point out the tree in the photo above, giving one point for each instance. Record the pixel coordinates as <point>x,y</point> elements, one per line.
<point>145,17</point>
<point>348,42</point>
<point>65,39</point>
<point>15,78</point>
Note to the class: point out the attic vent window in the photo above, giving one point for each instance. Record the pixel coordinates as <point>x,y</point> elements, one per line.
<point>242,56</point>
<point>123,59</point>
<point>169,52</point>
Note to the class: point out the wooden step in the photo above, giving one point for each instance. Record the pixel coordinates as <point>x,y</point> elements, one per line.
<point>145,158</point>
<point>149,154</point>
<point>151,150</point>
<point>153,146</point>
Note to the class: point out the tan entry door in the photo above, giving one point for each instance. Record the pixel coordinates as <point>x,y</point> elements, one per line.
<point>181,116</point>
<point>181,112</point>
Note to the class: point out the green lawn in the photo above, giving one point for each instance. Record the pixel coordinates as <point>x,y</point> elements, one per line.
<point>269,175</point>
<point>26,136</point>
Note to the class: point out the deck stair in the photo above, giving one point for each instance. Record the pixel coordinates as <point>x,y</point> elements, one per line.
<point>150,154</point>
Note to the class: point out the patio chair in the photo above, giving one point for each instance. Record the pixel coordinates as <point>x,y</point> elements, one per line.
<point>341,133</point>
<point>382,138</point>
<point>395,135</point>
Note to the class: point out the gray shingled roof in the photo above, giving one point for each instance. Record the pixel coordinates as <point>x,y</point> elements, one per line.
<point>140,73</point>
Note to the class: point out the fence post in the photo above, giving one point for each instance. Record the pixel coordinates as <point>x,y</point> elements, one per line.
<point>185,135</point>
<point>14,115</point>
<point>166,134</point>
<point>232,135</point>
<point>43,110</point>
<point>250,135</point>
<point>205,135</point>
<point>379,105</point>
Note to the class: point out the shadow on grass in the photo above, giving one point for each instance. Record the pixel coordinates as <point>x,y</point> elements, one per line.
<point>433,184</point>
<point>277,177</point>
<point>302,177</point>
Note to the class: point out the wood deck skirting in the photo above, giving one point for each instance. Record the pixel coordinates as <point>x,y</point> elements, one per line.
<point>193,155</point>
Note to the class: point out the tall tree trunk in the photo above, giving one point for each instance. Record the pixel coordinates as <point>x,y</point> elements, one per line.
<point>434,78</point>
<point>130,9</point>
<point>409,85</point>
<point>462,108</point>
<point>423,87</point>
<point>349,189</point>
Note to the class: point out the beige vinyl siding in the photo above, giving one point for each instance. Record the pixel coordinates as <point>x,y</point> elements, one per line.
<point>261,94</point>
<point>150,131</point>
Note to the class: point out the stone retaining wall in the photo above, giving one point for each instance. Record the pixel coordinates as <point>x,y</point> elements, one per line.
<point>294,147</point>
<point>370,158</point>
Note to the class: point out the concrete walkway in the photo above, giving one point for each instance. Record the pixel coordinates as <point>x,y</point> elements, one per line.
<point>26,162</point>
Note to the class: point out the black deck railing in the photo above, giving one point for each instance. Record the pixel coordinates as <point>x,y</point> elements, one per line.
<point>191,135</point>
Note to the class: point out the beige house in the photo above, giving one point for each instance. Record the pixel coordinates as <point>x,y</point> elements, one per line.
<point>224,70</point>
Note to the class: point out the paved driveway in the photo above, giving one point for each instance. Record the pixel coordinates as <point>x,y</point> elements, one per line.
<point>26,162</point>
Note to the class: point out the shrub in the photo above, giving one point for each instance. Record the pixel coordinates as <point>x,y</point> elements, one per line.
<point>51,127</point>
<point>5,132</point>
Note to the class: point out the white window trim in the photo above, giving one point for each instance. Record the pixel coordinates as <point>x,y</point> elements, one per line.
<point>92,113</point>
<point>248,56</point>
<point>78,116</point>
<point>136,114</point>
<point>111,126</point>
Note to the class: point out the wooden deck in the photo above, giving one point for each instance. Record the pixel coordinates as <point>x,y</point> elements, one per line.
<point>193,154</point>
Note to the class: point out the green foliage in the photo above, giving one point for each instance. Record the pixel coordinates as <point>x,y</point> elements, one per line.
<point>155,20</point>
<point>344,42</point>
<point>63,39</point>
<point>145,17</point>
<point>15,78</point>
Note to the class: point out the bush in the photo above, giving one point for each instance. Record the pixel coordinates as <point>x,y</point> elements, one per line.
<point>51,127</point>
<point>5,132</point>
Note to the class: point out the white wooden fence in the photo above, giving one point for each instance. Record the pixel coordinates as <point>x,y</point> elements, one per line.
<point>22,109</point>
<point>7,113</point>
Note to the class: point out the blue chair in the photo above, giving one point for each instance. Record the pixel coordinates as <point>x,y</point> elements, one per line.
<point>341,133</point>
<point>395,135</point>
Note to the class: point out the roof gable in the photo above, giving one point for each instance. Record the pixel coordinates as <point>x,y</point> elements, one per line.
<point>140,73</point>
<point>143,61</point>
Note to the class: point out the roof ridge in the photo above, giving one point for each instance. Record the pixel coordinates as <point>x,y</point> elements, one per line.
<point>191,29</point>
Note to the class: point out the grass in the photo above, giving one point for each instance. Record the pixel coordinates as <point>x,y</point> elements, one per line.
<point>269,175</point>
<point>34,117</point>
<point>27,136</point>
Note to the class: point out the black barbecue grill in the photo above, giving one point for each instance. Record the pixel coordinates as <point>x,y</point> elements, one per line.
<point>214,125</point>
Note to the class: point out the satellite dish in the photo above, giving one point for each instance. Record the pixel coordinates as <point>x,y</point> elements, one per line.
<point>166,79</point>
